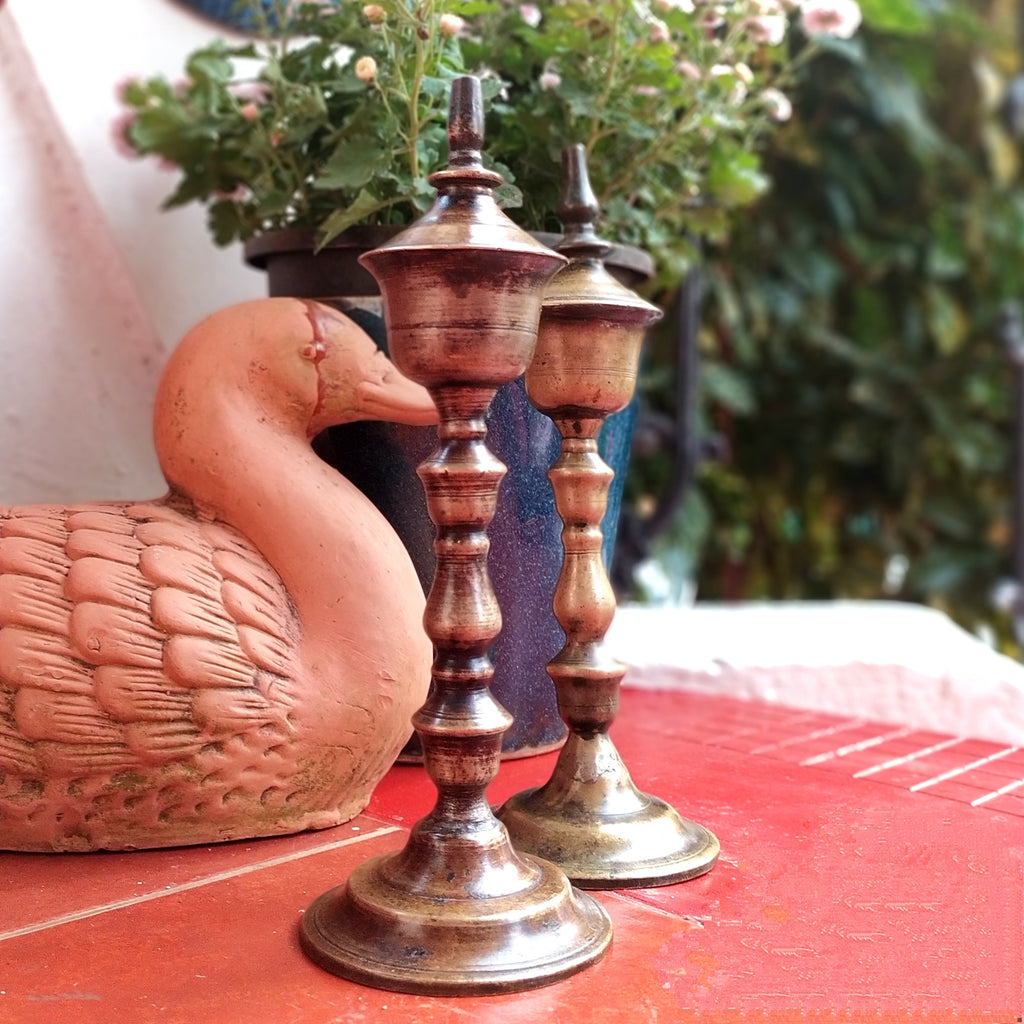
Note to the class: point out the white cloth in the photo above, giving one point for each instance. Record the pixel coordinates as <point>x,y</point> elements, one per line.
<point>883,660</point>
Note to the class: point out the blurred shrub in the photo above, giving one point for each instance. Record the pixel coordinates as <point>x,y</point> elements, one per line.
<point>851,365</point>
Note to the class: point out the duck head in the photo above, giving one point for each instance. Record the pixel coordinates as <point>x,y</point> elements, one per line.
<point>281,366</point>
<point>356,380</point>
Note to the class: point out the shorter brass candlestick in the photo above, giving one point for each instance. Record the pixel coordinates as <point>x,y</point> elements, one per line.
<point>458,911</point>
<point>589,818</point>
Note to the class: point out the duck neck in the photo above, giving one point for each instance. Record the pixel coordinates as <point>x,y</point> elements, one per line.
<point>339,559</point>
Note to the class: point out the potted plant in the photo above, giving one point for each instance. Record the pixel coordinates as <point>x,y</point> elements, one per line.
<point>323,130</point>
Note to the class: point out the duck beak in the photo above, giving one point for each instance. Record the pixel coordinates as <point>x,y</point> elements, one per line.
<point>366,385</point>
<point>386,394</point>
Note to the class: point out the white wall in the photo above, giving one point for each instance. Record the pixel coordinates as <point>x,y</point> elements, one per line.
<point>96,282</point>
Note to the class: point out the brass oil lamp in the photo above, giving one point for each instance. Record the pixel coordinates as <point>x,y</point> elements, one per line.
<point>458,911</point>
<point>589,818</point>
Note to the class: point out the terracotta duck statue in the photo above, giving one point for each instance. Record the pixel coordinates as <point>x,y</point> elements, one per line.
<point>239,658</point>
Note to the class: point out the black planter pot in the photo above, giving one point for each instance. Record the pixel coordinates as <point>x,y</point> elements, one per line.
<point>381,459</point>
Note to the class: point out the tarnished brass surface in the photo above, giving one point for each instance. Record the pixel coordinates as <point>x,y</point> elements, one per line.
<point>590,818</point>
<point>455,915</point>
<point>458,911</point>
<point>604,833</point>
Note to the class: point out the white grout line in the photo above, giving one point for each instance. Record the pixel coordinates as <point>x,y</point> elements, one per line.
<point>953,772</point>
<point>816,734</point>
<point>245,869</point>
<point>854,747</point>
<point>1009,787</point>
<point>785,721</point>
<point>897,761</point>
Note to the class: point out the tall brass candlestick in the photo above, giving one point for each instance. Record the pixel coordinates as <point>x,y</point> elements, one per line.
<point>589,818</point>
<point>458,911</point>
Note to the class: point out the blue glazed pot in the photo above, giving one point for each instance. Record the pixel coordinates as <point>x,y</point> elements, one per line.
<point>381,459</point>
<point>230,12</point>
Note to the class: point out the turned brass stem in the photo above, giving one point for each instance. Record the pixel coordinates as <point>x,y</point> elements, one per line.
<point>458,911</point>
<point>590,818</point>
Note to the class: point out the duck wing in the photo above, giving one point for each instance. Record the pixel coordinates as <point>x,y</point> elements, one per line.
<point>135,636</point>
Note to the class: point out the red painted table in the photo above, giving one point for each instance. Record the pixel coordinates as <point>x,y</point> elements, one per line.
<point>868,872</point>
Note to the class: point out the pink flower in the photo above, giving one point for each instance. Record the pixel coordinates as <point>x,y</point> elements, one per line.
<point>252,92</point>
<point>837,18</point>
<point>119,132</point>
<point>250,111</point>
<point>374,13</point>
<point>530,13</point>
<point>660,32</point>
<point>450,24</point>
<point>777,104</point>
<point>238,194</point>
<point>767,28</point>
<point>711,22</point>
<point>549,80</point>
<point>122,87</point>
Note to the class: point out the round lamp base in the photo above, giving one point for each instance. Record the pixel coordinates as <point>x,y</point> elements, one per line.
<point>378,931</point>
<point>648,845</point>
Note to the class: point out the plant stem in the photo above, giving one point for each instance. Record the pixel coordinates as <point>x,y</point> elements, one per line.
<point>425,13</point>
<point>611,73</point>
<point>649,156</point>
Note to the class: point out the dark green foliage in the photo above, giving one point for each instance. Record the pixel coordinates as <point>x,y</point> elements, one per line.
<point>336,114</point>
<point>852,366</point>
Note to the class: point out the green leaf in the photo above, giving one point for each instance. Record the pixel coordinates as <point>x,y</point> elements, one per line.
<point>508,197</point>
<point>353,164</point>
<point>947,320</point>
<point>365,205</point>
<point>210,65</point>
<point>725,385</point>
<point>904,16</point>
<point>735,178</point>
<point>224,222</point>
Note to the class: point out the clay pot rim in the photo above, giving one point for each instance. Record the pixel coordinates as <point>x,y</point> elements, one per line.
<point>624,257</point>
<point>262,247</point>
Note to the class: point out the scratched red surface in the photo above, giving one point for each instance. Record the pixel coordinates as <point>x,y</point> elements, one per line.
<point>842,894</point>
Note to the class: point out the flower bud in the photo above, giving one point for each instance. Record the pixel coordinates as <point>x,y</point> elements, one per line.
<point>530,13</point>
<point>660,32</point>
<point>366,69</point>
<point>450,24</point>
<point>777,104</point>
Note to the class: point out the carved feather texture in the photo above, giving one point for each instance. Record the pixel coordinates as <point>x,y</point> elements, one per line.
<point>32,658</point>
<point>102,581</point>
<point>130,694</point>
<point>123,643</point>
<point>155,685</point>
<point>27,556</point>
